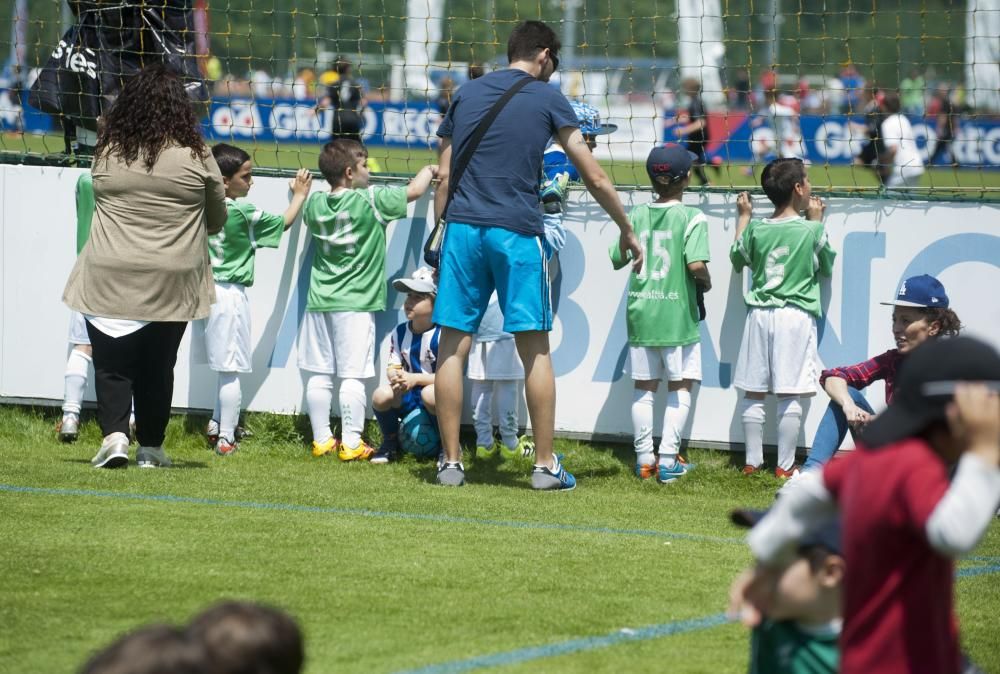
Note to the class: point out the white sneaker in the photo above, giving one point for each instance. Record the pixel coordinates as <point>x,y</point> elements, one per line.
<point>113,452</point>
<point>152,457</point>
<point>69,427</point>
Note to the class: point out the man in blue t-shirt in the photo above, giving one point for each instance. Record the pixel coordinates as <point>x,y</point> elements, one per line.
<point>494,236</point>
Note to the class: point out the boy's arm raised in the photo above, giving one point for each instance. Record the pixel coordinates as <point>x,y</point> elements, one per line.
<point>418,186</point>
<point>300,186</point>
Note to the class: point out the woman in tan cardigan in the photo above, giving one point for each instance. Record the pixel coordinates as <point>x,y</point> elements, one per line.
<point>144,272</point>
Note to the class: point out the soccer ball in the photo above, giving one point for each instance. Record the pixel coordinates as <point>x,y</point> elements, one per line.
<point>418,434</point>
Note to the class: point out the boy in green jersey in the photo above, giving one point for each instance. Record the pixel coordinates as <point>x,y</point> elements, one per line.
<point>81,353</point>
<point>663,333</point>
<point>225,334</point>
<point>786,254</point>
<point>795,610</point>
<point>346,285</point>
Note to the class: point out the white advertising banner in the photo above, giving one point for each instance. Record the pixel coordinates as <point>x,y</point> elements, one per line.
<point>879,243</point>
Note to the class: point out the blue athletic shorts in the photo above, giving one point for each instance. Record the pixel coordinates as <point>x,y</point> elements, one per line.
<point>476,260</point>
<point>411,401</point>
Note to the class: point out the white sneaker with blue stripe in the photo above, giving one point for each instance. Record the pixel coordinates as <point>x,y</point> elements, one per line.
<point>556,478</point>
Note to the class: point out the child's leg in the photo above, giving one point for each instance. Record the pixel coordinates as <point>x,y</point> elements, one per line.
<point>228,402</point>
<point>319,398</point>
<point>482,412</point>
<point>386,406</point>
<point>675,417</point>
<point>505,392</point>
<point>77,366</point>
<point>352,411</point>
<point>753,415</point>
<point>789,422</point>
<point>427,398</point>
<point>642,421</point>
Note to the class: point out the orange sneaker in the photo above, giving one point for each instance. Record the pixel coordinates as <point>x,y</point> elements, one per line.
<point>750,470</point>
<point>644,471</point>
<point>362,452</point>
<point>783,474</point>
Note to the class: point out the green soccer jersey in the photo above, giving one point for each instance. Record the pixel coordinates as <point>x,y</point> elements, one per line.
<point>234,248</point>
<point>348,229</point>
<point>662,298</point>
<point>786,648</point>
<point>84,208</point>
<point>786,257</point>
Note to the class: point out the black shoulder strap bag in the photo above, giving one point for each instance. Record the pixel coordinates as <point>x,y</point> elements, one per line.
<point>432,247</point>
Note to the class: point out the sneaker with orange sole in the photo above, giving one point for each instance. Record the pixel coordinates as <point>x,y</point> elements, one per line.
<point>362,452</point>
<point>750,470</point>
<point>644,471</point>
<point>324,448</point>
<point>783,474</point>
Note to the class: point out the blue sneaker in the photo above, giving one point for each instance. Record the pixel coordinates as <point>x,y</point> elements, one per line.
<point>558,479</point>
<point>666,475</point>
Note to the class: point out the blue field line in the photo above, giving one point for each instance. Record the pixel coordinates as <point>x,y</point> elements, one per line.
<point>362,512</point>
<point>573,646</point>
<point>978,571</point>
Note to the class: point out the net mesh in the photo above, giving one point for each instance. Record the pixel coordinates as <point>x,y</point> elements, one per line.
<point>759,79</point>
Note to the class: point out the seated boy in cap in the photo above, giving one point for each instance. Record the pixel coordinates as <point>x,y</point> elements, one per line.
<point>800,605</point>
<point>904,522</point>
<point>413,350</point>
<point>663,333</point>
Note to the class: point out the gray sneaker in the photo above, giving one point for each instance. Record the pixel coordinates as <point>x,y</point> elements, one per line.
<point>69,427</point>
<point>451,474</point>
<point>152,457</point>
<point>113,452</point>
<point>552,479</point>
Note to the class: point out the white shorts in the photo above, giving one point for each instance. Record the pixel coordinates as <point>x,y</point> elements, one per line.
<point>778,353</point>
<point>78,329</point>
<point>338,342</point>
<point>495,361</point>
<point>670,363</point>
<point>223,339</point>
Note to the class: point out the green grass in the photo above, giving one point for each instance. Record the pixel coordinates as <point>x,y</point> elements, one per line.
<point>971,183</point>
<point>387,572</point>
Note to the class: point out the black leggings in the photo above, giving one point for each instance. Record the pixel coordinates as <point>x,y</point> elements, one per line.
<point>138,366</point>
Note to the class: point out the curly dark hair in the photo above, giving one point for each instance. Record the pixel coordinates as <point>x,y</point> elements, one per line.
<point>946,318</point>
<point>152,112</point>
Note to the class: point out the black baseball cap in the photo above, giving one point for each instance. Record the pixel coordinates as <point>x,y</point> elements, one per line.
<point>670,161</point>
<point>827,535</point>
<point>926,384</point>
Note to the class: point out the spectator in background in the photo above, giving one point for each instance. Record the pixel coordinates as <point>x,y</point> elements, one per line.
<point>694,125</point>
<point>911,91</point>
<point>156,649</point>
<point>741,88</point>
<point>946,126</point>
<point>347,99</point>
<point>246,638</point>
<point>445,91</point>
<point>900,154</point>
<point>854,85</point>
<point>144,271</point>
<point>873,147</point>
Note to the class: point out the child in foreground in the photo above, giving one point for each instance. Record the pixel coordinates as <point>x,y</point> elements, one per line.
<point>663,332</point>
<point>413,349</point>
<point>346,286</point>
<point>226,332</point>
<point>786,254</point>
<point>920,491</point>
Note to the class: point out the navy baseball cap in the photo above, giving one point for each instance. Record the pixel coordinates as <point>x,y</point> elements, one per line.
<point>827,535</point>
<point>926,384</point>
<point>920,291</point>
<point>670,161</point>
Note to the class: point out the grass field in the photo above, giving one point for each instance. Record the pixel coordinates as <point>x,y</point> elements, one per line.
<point>385,571</point>
<point>968,183</point>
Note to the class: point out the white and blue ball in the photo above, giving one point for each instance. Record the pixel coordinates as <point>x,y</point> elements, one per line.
<point>418,434</point>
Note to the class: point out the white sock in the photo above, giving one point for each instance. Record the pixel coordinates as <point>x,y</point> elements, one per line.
<point>319,398</point>
<point>642,426</point>
<point>352,411</point>
<point>482,412</point>
<point>505,393</point>
<point>752,412</point>
<point>675,417</point>
<point>228,400</point>
<point>789,422</point>
<point>77,367</point>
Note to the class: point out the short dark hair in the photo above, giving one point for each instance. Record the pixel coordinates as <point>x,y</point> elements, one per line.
<point>475,71</point>
<point>530,37</point>
<point>338,156</point>
<point>780,177</point>
<point>891,102</point>
<point>246,638</point>
<point>156,649</point>
<point>229,158</point>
